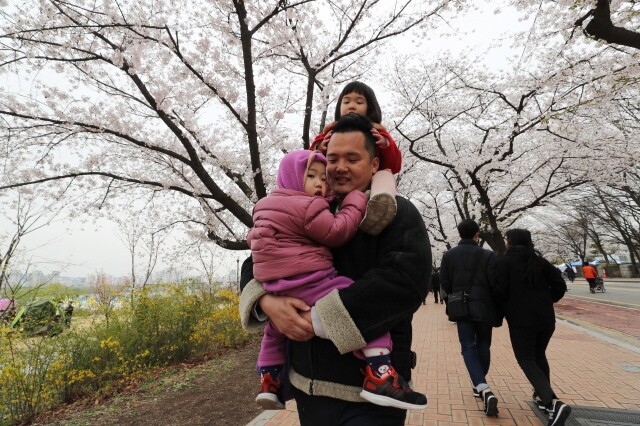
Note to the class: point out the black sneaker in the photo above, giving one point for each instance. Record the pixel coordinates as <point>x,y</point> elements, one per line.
<point>490,403</point>
<point>558,413</point>
<point>391,390</point>
<point>538,401</point>
<point>475,392</point>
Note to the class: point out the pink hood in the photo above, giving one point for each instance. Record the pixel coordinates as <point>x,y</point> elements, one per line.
<point>294,166</point>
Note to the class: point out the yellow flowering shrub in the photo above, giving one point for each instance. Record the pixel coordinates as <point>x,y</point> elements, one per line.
<point>157,326</point>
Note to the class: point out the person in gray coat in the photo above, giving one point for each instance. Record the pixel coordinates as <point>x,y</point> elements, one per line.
<point>474,332</point>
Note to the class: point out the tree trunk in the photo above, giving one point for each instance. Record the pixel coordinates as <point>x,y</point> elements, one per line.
<point>308,108</point>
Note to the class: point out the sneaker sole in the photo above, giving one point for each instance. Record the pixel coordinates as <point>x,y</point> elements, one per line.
<point>269,401</point>
<point>390,402</point>
<point>492,406</point>
<point>561,416</point>
<point>381,211</point>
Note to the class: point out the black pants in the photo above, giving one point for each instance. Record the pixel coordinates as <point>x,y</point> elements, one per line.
<point>436,292</point>
<point>529,347</point>
<point>323,411</point>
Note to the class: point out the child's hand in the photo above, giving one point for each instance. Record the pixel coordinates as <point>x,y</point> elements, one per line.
<point>322,147</point>
<point>381,141</point>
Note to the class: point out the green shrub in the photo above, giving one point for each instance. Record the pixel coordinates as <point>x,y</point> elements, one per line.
<point>159,326</point>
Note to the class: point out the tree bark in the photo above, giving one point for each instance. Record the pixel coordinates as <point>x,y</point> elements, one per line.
<point>601,28</point>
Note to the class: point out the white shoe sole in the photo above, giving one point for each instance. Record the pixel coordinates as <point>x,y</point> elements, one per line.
<point>561,416</point>
<point>269,401</point>
<point>390,402</point>
<point>492,406</point>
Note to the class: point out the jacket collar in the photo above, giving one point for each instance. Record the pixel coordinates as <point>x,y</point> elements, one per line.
<point>468,241</point>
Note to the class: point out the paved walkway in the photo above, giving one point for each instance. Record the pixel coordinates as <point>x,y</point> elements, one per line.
<point>586,370</point>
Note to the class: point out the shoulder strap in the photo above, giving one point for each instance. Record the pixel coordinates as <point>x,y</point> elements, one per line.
<point>475,268</point>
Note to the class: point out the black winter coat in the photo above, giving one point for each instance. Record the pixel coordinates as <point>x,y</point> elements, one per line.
<point>528,303</point>
<point>391,273</point>
<point>455,274</point>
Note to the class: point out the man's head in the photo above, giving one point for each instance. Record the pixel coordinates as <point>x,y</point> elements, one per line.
<point>519,237</point>
<point>351,155</point>
<point>468,229</point>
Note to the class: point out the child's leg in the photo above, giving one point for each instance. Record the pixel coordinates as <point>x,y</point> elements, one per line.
<point>382,384</point>
<point>381,208</point>
<point>270,361</point>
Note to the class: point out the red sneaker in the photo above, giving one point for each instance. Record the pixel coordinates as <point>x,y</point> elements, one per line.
<point>268,398</point>
<point>391,390</point>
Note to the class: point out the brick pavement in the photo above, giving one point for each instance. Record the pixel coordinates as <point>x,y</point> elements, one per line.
<point>586,370</point>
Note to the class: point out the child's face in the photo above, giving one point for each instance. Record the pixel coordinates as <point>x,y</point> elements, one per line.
<point>353,103</point>
<point>315,182</point>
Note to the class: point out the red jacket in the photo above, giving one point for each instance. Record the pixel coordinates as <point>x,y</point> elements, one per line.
<point>589,272</point>
<point>390,157</point>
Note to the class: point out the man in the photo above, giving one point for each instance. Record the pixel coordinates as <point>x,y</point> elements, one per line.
<point>456,274</point>
<point>390,273</point>
<point>590,274</point>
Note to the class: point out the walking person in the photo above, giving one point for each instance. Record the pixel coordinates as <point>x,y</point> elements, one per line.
<point>527,286</point>
<point>435,285</point>
<point>590,274</point>
<point>294,221</point>
<point>571,274</point>
<point>391,272</point>
<point>469,268</point>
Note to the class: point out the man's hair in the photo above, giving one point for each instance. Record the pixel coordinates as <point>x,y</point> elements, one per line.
<point>358,123</point>
<point>373,108</point>
<point>468,228</point>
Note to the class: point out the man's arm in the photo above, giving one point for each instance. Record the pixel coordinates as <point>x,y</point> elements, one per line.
<point>445,280</point>
<point>286,313</point>
<point>389,292</point>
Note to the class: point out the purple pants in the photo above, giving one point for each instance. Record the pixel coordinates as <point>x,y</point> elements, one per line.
<point>309,288</point>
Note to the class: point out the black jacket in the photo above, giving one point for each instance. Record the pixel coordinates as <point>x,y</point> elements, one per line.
<point>391,273</point>
<point>455,275</point>
<point>528,303</point>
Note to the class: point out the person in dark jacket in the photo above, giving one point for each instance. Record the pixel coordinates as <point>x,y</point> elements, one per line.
<point>435,286</point>
<point>527,286</point>
<point>391,272</point>
<point>475,332</point>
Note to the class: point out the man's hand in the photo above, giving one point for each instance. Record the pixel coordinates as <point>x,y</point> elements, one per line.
<point>291,316</point>
<point>381,141</point>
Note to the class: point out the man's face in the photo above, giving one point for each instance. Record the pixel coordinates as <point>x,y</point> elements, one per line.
<point>349,164</point>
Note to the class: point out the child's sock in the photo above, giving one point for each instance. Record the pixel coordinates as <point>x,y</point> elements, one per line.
<point>380,364</point>
<point>273,370</point>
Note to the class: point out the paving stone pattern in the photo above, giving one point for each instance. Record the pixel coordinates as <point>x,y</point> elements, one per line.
<point>586,371</point>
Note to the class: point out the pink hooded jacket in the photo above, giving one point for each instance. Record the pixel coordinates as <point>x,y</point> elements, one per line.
<point>293,231</point>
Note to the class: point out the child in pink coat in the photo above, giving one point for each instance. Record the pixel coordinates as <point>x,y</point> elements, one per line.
<point>290,243</point>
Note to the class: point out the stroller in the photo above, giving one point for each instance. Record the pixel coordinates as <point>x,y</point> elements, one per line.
<point>599,286</point>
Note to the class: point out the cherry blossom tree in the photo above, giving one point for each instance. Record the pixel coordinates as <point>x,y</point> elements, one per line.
<point>493,149</point>
<point>614,22</point>
<point>25,215</point>
<point>189,106</point>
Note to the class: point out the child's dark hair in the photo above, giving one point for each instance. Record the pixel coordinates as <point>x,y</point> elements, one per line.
<point>374,114</point>
<point>357,123</point>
